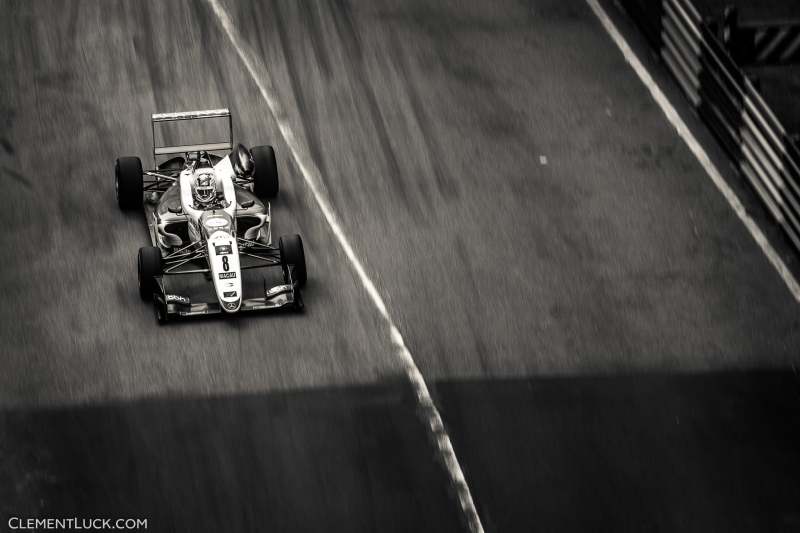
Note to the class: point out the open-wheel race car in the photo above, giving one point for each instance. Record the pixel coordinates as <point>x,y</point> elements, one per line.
<point>208,213</point>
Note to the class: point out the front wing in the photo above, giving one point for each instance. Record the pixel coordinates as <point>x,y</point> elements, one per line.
<point>253,255</point>
<point>178,306</point>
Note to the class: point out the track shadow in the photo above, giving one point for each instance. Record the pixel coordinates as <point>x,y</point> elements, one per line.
<point>339,459</point>
<point>656,452</point>
<point>659,452</point>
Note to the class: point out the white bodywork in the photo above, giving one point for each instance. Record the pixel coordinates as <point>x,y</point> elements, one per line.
<point>223,260</point>
<point>217,225</point>
<point>231,219</point>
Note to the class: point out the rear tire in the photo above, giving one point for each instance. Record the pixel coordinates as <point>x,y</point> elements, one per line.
<point>292,254</point>
<point>265,176</point>
<point>149,264</point>
<point>128,182</point>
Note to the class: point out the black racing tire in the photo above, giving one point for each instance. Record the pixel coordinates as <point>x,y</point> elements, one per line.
<point>149,266</point>
<point>265,175</point>
<point>128,182</point>
<point>292,254</point>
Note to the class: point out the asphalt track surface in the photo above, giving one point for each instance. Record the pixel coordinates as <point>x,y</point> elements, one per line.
<point>609,348</point>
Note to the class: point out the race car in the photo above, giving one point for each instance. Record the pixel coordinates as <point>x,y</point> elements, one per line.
<point>208,213</point>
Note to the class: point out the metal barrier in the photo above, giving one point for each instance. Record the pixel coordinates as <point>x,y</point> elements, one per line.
<point>761,43</point>
<point>728,103</point>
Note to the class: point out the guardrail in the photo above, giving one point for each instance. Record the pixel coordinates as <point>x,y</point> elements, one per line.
<point>760,43</point>
<point>728,103</point>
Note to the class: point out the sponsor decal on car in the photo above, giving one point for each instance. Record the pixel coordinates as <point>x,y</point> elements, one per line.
<point>278,289</point>
<point>227,275</point>
<point>223,249</point>
<point>178,299</point>
<point>229,294</point>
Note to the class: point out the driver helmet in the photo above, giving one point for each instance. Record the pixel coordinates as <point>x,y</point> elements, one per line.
<point>205,187</point>
<point>242,161</point>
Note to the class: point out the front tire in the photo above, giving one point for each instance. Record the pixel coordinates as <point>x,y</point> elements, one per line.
<point>292,254</point>
<point>265,175</point>
<point>128,182</point>
<point>149,264</point>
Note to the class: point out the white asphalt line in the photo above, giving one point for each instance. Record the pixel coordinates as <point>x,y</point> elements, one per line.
<point>313,177</point>
<point>696,148</point>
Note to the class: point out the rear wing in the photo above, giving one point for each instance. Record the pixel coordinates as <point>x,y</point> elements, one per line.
<point>219,145</point>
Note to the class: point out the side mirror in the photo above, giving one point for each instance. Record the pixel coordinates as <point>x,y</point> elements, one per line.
<point>242,162</point>
<point>174,208</point>
<point>247,204</point>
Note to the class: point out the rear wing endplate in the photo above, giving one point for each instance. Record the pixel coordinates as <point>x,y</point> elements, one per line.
<point>192,115</point>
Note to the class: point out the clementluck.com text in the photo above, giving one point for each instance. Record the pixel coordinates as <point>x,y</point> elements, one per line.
<point>16,523</point>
